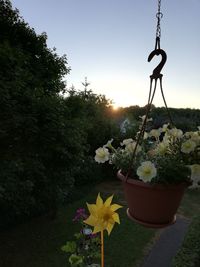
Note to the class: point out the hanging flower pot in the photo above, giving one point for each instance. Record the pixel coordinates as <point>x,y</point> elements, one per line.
<point>157,165</point>
<point>156,172</point>
<point>152,205</point>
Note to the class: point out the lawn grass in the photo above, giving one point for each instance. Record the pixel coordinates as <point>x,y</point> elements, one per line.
<point>125,246</point>
<point>37,243</point>
<point>189,254</point>
<point>190,204</point>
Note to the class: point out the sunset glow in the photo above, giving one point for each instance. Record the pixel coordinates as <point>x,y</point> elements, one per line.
<point>115,107</point>
<point>112,53</point>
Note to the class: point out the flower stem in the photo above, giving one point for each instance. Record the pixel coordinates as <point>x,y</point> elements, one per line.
<point>102,250</point>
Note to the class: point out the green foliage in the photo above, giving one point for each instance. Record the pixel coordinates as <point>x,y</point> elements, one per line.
<point>93,112</point>
<point>47,141</point>
<point>185,119</point>
<point>41,143</point>
<point>26,63</point>
<point>86,249</point>
<point>70,247</point>
<point>76,260</point>
<point>189,254</point>
<point>171,170</point>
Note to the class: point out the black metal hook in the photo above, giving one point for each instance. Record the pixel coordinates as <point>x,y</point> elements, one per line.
<point>156,72</point>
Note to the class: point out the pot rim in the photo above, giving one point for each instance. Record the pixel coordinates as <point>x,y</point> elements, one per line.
<point>148,185</point>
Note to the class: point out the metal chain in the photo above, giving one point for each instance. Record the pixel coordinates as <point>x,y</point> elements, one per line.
<point>159,16</point>
<point>155,76</point>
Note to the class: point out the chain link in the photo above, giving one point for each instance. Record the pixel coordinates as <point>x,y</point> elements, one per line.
<point>159,16</point>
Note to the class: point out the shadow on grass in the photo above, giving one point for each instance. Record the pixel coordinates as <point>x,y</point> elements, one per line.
<point>38,243</point>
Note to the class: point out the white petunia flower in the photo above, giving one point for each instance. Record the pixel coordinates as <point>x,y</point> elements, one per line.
<point>146,171</point>
<point>143,118</point>
<point>109,144</point>
<point>165,127</point>
<point>198,127</point>
<point>102,155</point>
<point>126,141</point>
<point>166,138</point>
<point>146,135</point>
<point>131,147</point>
<point>155,133</point>
<point>195,137</point>
<point>176,133</point>
<point>188,146</point>
<point>188,134</point>
<point>162,148</point>
<point>195,174</point>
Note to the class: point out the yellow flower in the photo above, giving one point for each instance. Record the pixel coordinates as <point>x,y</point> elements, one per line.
<point>103,215</point>
<point>146,171</point>
<point>188,146</point>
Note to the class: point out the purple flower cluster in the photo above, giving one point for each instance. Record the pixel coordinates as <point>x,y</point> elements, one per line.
<point>80,215</point>
<point>93,235</point>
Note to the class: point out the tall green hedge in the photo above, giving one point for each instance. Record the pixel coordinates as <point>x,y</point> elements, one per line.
<point>41,144</point>
<point>47,136</point>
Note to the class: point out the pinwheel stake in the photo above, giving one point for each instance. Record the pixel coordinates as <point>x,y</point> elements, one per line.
<point>102,249</point>
<point>103,217</point>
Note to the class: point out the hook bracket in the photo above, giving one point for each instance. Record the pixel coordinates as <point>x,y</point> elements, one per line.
<point>156,52</point>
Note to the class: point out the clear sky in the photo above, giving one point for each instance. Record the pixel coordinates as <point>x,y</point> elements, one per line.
<point>109,42</point>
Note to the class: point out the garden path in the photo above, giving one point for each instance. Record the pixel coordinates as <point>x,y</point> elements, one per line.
<point>167,245</point>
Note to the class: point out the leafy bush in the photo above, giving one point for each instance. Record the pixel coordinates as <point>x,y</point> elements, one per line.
<point>46,140</point>
<point>41,143</point>
<point>94,114</point>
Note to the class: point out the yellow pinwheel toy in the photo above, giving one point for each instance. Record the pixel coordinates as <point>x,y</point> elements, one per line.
<point>103,216</point>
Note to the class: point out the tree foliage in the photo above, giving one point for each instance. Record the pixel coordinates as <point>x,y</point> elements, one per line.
<point>94,112</point>
<point>41,143</point>
<point>47,141</point>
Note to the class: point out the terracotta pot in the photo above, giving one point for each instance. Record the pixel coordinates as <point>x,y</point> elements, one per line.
<point>152,205</point>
